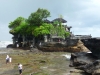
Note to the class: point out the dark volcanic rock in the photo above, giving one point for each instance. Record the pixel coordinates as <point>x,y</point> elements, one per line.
<point>92,68</point>
<point>81,58</point>
<point>86,62</point>
<point>10,46</point>
<point>93,45</point>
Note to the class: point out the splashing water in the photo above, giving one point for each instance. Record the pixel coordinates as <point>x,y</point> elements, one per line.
<point>3,44</point>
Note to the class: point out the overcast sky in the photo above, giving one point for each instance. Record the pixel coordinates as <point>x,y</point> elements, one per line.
<point>82,15</point>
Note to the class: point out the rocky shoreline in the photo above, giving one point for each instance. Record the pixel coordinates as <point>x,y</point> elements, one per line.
<point>42,63</point>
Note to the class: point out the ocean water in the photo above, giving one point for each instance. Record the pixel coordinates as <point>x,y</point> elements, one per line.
<point>3,44</point>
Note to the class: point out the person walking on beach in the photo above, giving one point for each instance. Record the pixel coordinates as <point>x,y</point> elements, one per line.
<point>7,59</point>
<point>20,68</point>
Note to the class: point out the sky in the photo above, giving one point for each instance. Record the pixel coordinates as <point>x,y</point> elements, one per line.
<point>82,15</point>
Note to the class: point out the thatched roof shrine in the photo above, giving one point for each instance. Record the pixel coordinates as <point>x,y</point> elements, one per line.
<point>59,20</point>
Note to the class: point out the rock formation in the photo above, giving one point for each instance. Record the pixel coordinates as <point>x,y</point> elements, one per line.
<point>93,45</point>
<point>59,46</point>
<point>86,62</point>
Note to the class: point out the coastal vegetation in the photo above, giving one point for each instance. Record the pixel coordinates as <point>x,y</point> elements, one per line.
<point>35,28</point>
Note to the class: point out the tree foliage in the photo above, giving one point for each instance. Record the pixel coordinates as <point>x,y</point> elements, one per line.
<point>36,26</point>
<point>15,25</point>
<point>16,22</point>
<point>43,29</point>
<point>59,29</point>
<point>37,18</point>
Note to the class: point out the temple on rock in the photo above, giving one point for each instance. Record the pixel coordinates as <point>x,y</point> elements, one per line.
<point>26,41</point>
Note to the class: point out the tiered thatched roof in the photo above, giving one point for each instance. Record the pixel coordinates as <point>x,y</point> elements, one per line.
<point>60,20</point>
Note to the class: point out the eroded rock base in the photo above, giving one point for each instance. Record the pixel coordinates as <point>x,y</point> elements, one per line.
<point>85,62</point>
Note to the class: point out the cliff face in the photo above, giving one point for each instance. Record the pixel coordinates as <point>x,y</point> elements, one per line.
<point>93,45</point>
<point>80,44</point>
<point>76,46</point>
<point>88,62</point>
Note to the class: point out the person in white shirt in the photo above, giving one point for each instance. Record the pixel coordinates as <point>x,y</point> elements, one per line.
<point>10,60</point>
<point>17,45</point>
<point>7,56</point>
<point>7,59</point>
<point>20,68</point>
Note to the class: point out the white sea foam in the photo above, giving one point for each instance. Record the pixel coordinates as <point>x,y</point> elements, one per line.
<point>3,44</point>
<point>67,56</point>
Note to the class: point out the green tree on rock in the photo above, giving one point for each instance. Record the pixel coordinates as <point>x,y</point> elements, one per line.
<point>37,18</point>
<point>35,27</point>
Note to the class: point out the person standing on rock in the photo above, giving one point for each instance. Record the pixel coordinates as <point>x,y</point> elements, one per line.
<point>20,68</point>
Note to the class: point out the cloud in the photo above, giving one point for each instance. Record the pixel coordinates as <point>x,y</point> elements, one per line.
<point>85,20</point>
<point>4,32</point>
<point>82,15</point>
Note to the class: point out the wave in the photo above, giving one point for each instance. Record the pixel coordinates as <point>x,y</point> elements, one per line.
<point>3,44</point>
